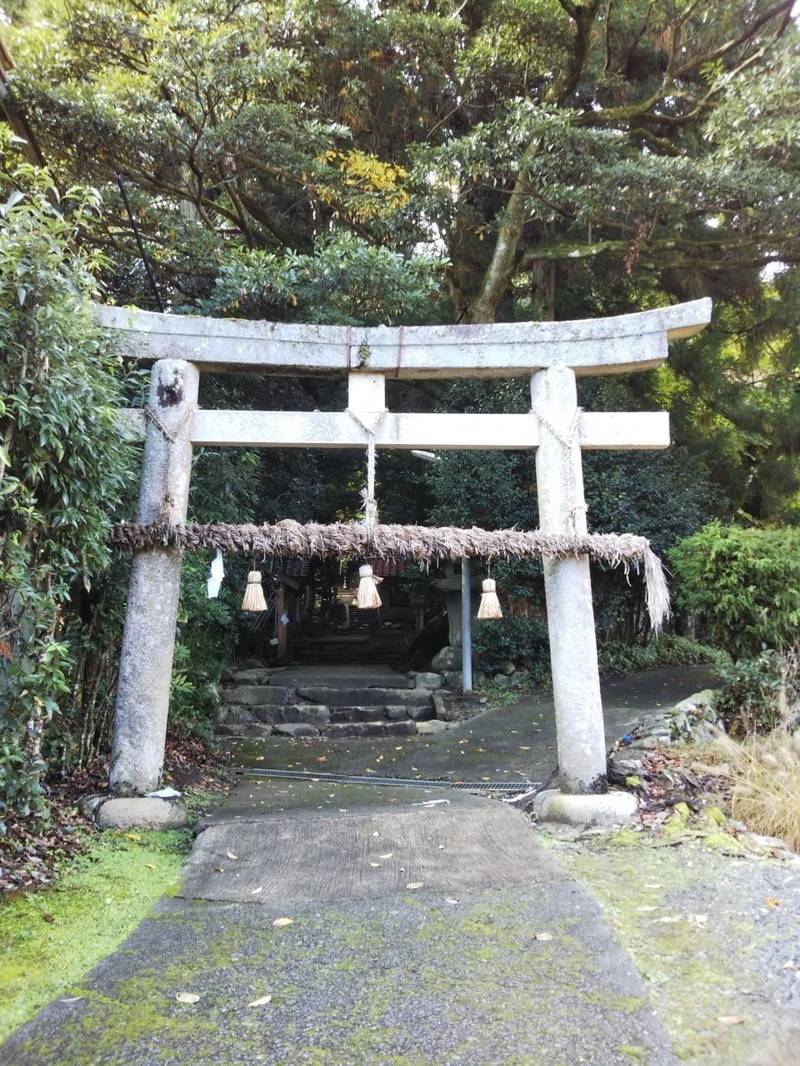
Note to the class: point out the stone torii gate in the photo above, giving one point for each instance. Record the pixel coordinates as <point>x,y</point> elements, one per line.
<point>553,354</point>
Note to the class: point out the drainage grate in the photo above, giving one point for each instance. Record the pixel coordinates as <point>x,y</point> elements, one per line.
<point>510,787</point>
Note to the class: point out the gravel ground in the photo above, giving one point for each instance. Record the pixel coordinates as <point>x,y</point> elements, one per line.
<point>716,939</point>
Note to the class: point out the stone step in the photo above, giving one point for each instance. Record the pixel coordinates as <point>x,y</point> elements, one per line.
<point>246,677</point>
<point>369,729</point>
<point>367,697</point>
<point>332,731</point>
<point>244,729</point>
<point>273,714</point>
<point>260,695</point>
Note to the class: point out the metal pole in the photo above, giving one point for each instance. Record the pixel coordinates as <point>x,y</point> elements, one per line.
<point>466,624</point>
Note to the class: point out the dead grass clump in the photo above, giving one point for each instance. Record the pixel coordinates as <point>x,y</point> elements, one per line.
<point>765,777</point>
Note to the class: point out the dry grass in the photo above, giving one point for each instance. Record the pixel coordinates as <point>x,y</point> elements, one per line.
<point>765,776</point>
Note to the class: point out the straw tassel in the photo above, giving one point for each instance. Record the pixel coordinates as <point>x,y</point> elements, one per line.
<point>490,605</point>
<point>368,597</point>
<point>254,593</point>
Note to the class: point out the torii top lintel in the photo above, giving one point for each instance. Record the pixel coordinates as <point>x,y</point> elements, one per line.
<point>614,345</point>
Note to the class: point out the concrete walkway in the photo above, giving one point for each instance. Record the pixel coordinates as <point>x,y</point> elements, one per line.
<point>419,935</point>
<point>348,925</point>
<point>504,744</point>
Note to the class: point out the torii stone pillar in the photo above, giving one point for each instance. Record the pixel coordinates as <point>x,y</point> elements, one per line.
<point>148,642</point>
<point>583,794</point>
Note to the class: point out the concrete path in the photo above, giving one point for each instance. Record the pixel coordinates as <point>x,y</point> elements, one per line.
<point>504,744</point>
<point>351,925</point>
<point>419,936</point>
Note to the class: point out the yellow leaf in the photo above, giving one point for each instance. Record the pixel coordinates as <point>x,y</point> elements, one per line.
<point>133,836</point>
<point>261,1002</point>
<point>279,923</point>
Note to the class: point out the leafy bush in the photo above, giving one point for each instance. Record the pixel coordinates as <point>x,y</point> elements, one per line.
<point>618,658</point>
<point>744,583</point>
<point>518,639</point>
<point>760,693</point>
<point>61,459</point>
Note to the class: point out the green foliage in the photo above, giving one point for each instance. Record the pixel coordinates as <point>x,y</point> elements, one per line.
<point>345,281</point>
<point>751,697</point>
<point>61,459</point>
<point>521,640</point>
<point>744,583</point>
<point>617,658</point>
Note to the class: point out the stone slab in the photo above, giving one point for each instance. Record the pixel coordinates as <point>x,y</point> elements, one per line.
<point>259,694</point>
<point>145,812</point>
<point>291,859</point>
<point>605,810</point>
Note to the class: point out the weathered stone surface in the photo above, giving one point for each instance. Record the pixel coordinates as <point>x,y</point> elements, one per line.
<point>146,812</point>
<point>400,729</point>
<point>313,713</point>
<point>148,642</point>
<point>364,697</point>
<point>396,713</point>
<point>89,804</point>
<point>507,667</point>
<point>259,694</point>
<point>420,714</point>
<point>503,681</point>
<point>259,676</point>
<point>588,809</point>
<point>245,729</point>
<point>295,729</point>
<point>365,714</point>
<point>429,728</point>
<point>453,679</point>
<point>428,680</point>
<point>268,713</point>
<point>446,659</point>
<point>239,713</point>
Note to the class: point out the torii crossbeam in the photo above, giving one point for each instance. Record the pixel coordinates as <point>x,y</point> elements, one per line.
<point>553,354</point>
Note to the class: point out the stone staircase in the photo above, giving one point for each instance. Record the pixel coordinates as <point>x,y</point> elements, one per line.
<point>326,701</point>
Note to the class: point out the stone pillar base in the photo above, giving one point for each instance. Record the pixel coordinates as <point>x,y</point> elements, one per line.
<point>587,809</point>
<point>136,812</point>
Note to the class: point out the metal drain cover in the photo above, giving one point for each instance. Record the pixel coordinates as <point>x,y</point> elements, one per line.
<point>510,787</point>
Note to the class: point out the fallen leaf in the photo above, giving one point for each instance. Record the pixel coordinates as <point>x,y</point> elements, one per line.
<point>730,1019</point>
<point>219,869</point>
<point>279,923</point>
<point>772,902</point>
<point>261,1002</point>
<point>386,855</point>
<point>414,884</point>
<point>187,997</point>
<point>451,900</point>
<point>132,836</point>
<point>150,866</point>
<point>257,890</point>
<point>49,918</point>
<point>543,936</point>
<point>230,855</point>
<point>375,865</point>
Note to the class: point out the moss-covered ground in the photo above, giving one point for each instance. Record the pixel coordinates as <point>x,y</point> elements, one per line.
<point>51,938</point>
<point>711,933</point>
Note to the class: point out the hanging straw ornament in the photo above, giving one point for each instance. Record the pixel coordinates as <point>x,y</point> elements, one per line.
<point>368,597</point>
<point>490,605</point>
<point>254,593</point>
